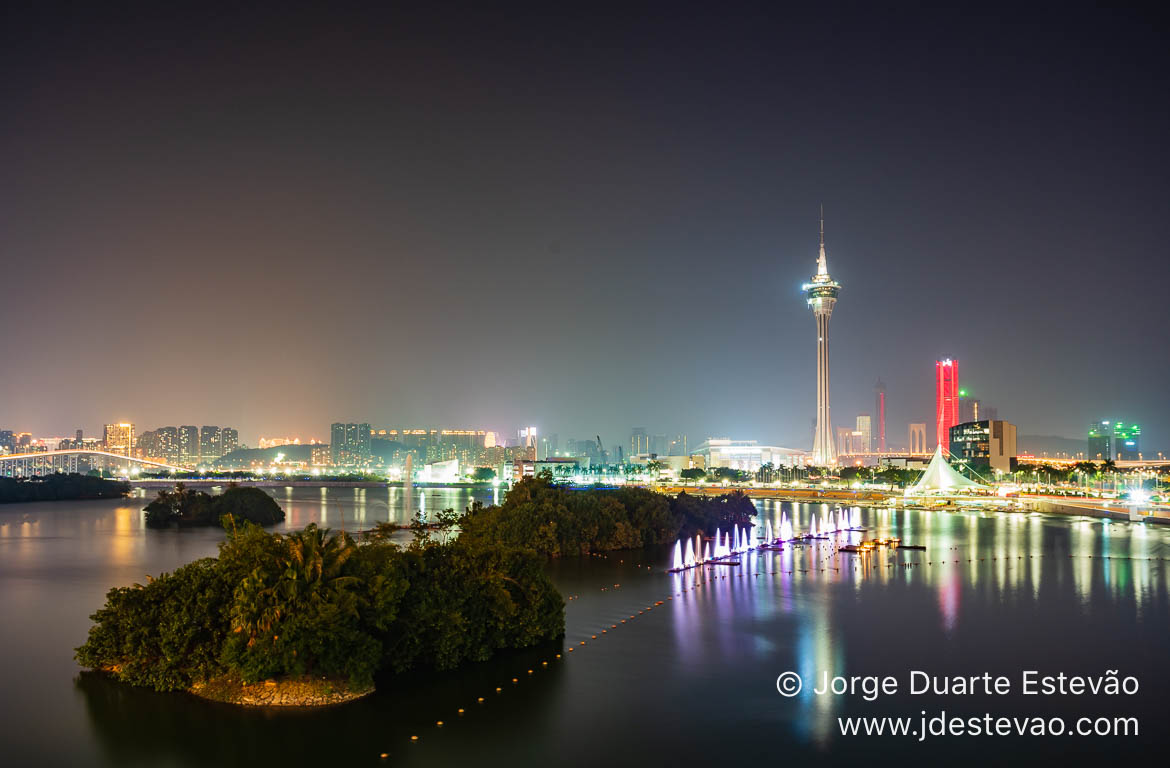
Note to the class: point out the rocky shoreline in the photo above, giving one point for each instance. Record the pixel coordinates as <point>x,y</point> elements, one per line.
<point>319,692</point>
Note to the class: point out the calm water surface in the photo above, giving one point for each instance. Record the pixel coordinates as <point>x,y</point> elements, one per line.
<point>689,682</point>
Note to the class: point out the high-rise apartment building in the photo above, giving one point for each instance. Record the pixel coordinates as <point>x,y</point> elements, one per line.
<point>357,438</point>
<point>188,445</point>
<point>229,440</point>
<point>946,400</point>
<point>119,438</point>
<point>210,446</point>
<point>160,444</point>
<point>349,444</point>
<point>880,410</point>
<point>337,442</point>
<point>864,434</point>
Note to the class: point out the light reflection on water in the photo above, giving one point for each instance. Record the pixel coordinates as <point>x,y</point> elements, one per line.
<point>978,566</point>
<point>991,592</point>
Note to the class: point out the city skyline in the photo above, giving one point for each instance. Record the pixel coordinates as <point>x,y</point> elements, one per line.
<point>443,384</point>
<point>579,261</point>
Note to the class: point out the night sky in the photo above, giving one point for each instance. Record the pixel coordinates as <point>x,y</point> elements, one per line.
<point>583,220</point>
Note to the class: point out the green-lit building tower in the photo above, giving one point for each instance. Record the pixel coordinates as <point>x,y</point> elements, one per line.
<point>1115,440</point>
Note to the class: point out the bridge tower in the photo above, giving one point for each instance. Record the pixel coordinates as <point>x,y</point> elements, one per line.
<point>821,294</point>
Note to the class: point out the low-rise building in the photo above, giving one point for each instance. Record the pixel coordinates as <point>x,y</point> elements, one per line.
<point>984,445</point>
<point>745,454</point>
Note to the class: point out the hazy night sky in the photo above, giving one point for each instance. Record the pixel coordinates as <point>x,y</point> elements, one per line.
<point>586,220</point>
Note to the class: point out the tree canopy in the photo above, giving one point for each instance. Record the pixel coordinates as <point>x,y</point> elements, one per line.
<point>483,474</point>
<point>318,603</point>
<point>556,521</point>
<point>59,487</point>
<point>238,504</point>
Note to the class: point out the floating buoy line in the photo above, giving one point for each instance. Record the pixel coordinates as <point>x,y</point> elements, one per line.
<point>719,550</point>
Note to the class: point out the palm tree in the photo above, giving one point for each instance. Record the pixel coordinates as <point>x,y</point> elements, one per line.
<point>308,576</point>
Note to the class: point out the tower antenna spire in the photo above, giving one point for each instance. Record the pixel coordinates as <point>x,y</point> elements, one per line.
<point>822,262</point>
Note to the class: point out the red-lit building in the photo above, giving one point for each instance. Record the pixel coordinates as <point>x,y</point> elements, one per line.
<point>946,400</point>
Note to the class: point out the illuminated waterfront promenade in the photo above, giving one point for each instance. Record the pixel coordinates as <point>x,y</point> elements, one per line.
<point>1054,504</point>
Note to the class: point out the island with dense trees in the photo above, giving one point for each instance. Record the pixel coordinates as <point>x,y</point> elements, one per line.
<point>311,617</point>
<point>555,520</point>
<point>60,487</point>
<point>187,508</point>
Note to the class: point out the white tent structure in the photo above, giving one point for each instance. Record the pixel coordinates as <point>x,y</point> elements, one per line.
<point>940,477</point>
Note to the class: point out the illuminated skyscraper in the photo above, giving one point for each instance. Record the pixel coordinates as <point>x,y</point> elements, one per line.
<point>162,444</point>
<point>946,400</point>
<point>230,439</point>
<point>119,438</point>
<point>349,444</point>
<point>188,445</point>
<point>864,433</point>
<point>880,407</point>
<point>210,444</point>
<point>528,441</point>
<point>1127,441</point>
<point>1100,441</point>
<point>822,295</point>
<point>1115,440</point>
<point>337,443</point>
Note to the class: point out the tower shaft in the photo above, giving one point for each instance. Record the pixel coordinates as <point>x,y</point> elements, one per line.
<point>824,451</point>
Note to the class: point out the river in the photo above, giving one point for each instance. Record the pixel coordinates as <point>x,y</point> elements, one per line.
<point>690,681</point>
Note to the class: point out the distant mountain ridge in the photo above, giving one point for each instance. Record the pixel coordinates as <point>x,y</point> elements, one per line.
<point>1051,445</point>
<point>245,456</point>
